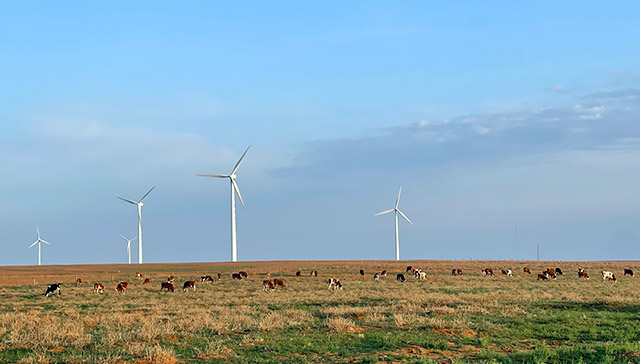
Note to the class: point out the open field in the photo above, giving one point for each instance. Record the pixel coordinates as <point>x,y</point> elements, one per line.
<point>446,319</point>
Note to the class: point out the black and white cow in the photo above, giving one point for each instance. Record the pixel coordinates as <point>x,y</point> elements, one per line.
<point>400,278</point>
<point>52,288</point>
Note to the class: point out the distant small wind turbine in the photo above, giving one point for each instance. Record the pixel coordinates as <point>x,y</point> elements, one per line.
<point>129,245</point>
<point>139,204</point>
<point>234,188</point>
<point>397,211</point>
<point>39,241</point>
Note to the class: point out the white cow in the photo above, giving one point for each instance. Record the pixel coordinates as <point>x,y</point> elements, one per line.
<point>608,276</point>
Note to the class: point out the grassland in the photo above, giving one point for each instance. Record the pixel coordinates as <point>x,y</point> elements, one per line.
<point>446,319</point>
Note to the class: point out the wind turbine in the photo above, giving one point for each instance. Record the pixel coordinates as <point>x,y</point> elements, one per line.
<point>139,204</point>
<point>397,211</point>
<point>129,246</point>
<point>39,241</point>
<point>234,188</point>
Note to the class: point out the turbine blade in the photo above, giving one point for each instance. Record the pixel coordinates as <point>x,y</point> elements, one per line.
<point>147,194</point>
<point>134,238</point>
<point>383,212</point>
<point>36,242</point>
<point>213,175</point>
<point>125,200</point>
<point>46,242</point>
<point>122,236</point>
<point>239,161</point>
<point>398,199</point>
<point>405,216</point>
<point>235,187</point>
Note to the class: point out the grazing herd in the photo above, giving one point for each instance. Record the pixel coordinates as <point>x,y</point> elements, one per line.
<point>334,283</point>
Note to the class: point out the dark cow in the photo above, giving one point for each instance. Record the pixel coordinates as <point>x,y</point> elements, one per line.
<point>146,281</point>
<point>267,285</point>
<point>52,288</point>
<point>219,276</point>
<point>170,279</point>
<point>454,272</point>
<point>409,269</point>
<point>122,287</point>
<point>298,273</point>
<point>384,273</point>
<point>400,278</point>
<point>629,272</point>
<point>543,276</point>
<point>361,272</point>
<point>559,271</point>
<point>98,288</point>
<point>334,283</point>
<point>376,277</point>
<point>237,276</point>
<point>78,280</point>
<point>168,286</point>
<point>487,272</point>
<point>243,274</point>
<point>278,282</point>
<point>527,270</point>
<point>583,274</point>
<point>189,284</point>
<point>314,273</point>
<point>204,279</point>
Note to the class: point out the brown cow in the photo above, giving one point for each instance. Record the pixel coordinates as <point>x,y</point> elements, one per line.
<point>219,276</point>
<point>278,282</point>
<point>146,280</point>
<point>583,274</point>
<point>487,272</point>
<point>384,273</point>
<point>236,276</point>
<point>334,284</point>
<point>204,279</point>
<point>122,287</point>
<point>78,280</point>
<point>267,285</point>
<point>168,286</point>
<point>551,271</point>
<point>98,288</point>
<point>170,279</point>
<point>527,270</point>
<point>243,274</point>
<point>189,284</point>
<point>543,276</point>
<point>138,275</point>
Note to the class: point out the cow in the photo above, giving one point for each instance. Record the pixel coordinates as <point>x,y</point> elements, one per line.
<point>543,276</point>
<point>551,271</point>
<point>376,277</point>
<point>52,288</point>
<point>278,282</point>
<point>507,272</point>
<point>608,276</point>
<point>170,279</point>
<point>78,280</point>
<point>138,275</point>
<point>487,272</point>
<point>629,272</point>
<point>298,273</point>
<point>527,270</point>
<point>237,276</point>
<point>400,278</point>
<point>168,286</point>
<point>454,272</point>
<point>204,279</point>
<point>314,273</point>
<point>243,274</point>
<point>361,272</point>
<point>559,271</point>
<point>219,276</point>
<point>409,269</point>
<point>335,283</point>
<point>122,287</point>
<point>267,285</point>
<point>146,281</point>
<point>420,275</point>
<point>551,274</point>
<point>98,288</point>
<point>269,274</point>
<point>384,273</point>
<point>583,274</point>
<point>189,284</point>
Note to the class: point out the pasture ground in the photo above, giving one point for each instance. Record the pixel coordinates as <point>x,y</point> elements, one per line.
<point>445,319</point>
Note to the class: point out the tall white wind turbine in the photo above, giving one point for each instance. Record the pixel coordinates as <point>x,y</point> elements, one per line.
<point>129,245</point>
<point>397,211</point>
<point>234,190</point>
<point>139,204</point>
<point>39,242</point>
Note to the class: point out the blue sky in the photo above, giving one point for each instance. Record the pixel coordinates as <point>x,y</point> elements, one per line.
<point>489,116</point>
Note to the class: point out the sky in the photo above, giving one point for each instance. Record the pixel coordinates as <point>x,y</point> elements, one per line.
<point>491,116</point>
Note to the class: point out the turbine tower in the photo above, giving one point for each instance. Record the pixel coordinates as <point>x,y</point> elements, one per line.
<point>397,211</point>
<point>234,188</point>
<point>129,245</point>
<point>39,242</point>
<point>139,204</point>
